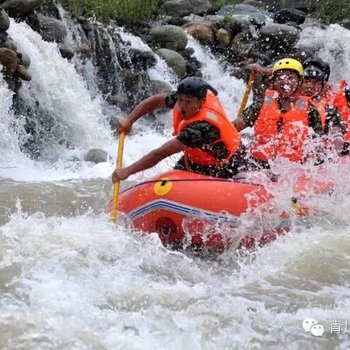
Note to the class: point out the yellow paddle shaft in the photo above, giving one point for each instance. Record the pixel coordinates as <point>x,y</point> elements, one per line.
<point>117,183</point>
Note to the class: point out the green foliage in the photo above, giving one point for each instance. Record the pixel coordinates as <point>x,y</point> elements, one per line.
<point>128,12</point>
<point>220,3</point>
<point>333,11</point>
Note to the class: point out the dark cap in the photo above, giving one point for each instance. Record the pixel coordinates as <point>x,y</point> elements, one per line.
<point>195,86</point>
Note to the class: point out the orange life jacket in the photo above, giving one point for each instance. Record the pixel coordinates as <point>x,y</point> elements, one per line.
<point>340,101</point>
<point>212,112</point>
<point>280,134</point>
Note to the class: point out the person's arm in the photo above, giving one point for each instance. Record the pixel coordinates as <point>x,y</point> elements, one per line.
<point>144,107</point>
<point>257,68</point>
<point>248,116</point>
<point>335,128</point>
<point>239,123</point>
<point>149,160</point>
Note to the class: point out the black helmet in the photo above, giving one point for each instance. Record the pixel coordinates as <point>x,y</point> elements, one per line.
<point>316,73</point>
<point>195,86</point>
<point>317,62</point>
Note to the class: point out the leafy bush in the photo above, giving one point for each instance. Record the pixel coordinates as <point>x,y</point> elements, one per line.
<point>333,11</point>
<point>128,12</point>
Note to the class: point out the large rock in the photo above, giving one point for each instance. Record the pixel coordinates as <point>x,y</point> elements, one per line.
<point>169,37</point>
<point>180,8</point>
<point>240,9</point>
<point>242,43</point>
<point>174,60</point>
<point>96,156</point>
<point>66,52</point>
<point>17,8</point>
<point>201,31</point>
<point>4,21</point>
<point>8,60</point>
<point>22,73</point>
<point>24,59</point>
<point>278,36</point>
<point>289,15</point>
<point>142,59</point>
<point>223,36</point>
<point>51,29</point>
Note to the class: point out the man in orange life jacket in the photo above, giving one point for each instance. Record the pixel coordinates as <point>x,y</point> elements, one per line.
<point>315,85</point>
<point>201,129</point>
<point>283,120</point>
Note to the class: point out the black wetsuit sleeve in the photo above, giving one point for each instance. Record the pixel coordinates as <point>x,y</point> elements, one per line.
<point>251,113</point>
<point>170,99</point>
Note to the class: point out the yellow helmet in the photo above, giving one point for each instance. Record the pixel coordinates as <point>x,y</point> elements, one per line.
<point>288,63</point>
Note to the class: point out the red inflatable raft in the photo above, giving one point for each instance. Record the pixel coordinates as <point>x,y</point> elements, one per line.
<point>188,209</point>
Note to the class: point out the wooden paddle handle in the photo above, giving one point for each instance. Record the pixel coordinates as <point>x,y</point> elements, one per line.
<point>247,92</point>
<point>116,186</point>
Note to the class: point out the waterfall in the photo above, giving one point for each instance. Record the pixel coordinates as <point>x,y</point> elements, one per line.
<point>230,88</point>
<point>9,148</point>
<point>71,115</point>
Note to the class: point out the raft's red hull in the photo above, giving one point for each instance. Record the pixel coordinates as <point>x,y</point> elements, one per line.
<point>195,210</point>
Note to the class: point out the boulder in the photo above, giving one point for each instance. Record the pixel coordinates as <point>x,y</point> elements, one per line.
<point>223,36</point>
<point>142,59</point>
<point>174,60</point>
<point>169,37</point>
<point>180,8</point>
<point>24,59</point>
<point>289,15</point>
<point>17,8</point>
<point>242,43</point>
<point>278,36</point>
<point>203,32</point>
<point>96,156</point>
<point>4,21</point>
<point>66,52</point>
<point>8,60</point>
<point>51,29</point>
<point>22,73</point>
<point>84,50</point>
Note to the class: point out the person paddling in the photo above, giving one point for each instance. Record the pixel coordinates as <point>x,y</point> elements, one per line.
<point>284,120</point>
<point>211,145</point>
<point>315,85</point>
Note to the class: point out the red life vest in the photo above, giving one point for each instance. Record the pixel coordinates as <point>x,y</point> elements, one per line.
<point>280,134</point>
<point>340,101</point>
<point>212,112</point>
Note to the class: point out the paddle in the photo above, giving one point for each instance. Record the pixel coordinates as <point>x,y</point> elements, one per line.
<point>247,92</point>
<point>117,184</point>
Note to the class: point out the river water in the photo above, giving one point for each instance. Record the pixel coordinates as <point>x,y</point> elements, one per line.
<point>69,279</point>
